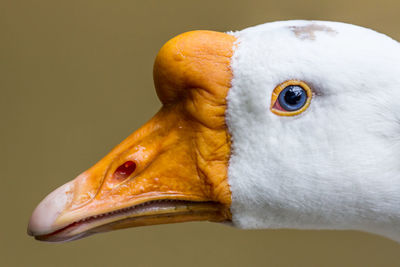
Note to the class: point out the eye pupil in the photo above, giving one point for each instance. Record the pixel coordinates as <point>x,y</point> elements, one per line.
<point>292,98</point>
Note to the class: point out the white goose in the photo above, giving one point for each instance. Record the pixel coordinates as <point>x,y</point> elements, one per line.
<point>291,124</point>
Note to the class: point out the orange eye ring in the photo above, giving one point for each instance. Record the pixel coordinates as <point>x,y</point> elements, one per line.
<point>275,105</point>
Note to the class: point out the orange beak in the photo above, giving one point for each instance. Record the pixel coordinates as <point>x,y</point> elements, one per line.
<point>173,169</point>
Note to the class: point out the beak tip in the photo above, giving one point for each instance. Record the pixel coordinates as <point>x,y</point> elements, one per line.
<point>48,210</point>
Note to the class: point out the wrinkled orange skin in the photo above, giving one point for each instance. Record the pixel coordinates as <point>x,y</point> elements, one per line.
<point>183,151</point>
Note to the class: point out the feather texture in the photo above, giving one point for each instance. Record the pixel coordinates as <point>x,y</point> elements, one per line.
<point>335,166</point>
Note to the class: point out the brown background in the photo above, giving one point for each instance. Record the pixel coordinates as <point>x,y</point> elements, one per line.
<point>76,78</point>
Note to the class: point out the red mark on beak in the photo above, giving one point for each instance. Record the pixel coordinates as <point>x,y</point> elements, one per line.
<point>123,171</point>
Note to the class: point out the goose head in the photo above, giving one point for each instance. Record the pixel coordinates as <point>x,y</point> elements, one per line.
<point>289,124</point>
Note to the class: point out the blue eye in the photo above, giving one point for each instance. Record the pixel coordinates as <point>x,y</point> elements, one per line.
<point>292,98</point>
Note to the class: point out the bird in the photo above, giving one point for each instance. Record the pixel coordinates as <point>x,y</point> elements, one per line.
<point>288,124</point>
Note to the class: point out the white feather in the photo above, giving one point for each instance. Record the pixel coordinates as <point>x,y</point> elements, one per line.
<point>335,166</point>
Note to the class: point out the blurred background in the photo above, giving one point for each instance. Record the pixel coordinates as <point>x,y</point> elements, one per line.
<point>76,79</point>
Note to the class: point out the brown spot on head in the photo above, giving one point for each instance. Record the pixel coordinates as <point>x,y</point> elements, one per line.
<point>307,32</point>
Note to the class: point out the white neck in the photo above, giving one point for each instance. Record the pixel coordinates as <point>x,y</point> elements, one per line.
<point>336,166</point>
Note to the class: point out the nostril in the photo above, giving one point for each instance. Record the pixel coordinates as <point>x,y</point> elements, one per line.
<point>123,171</point>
